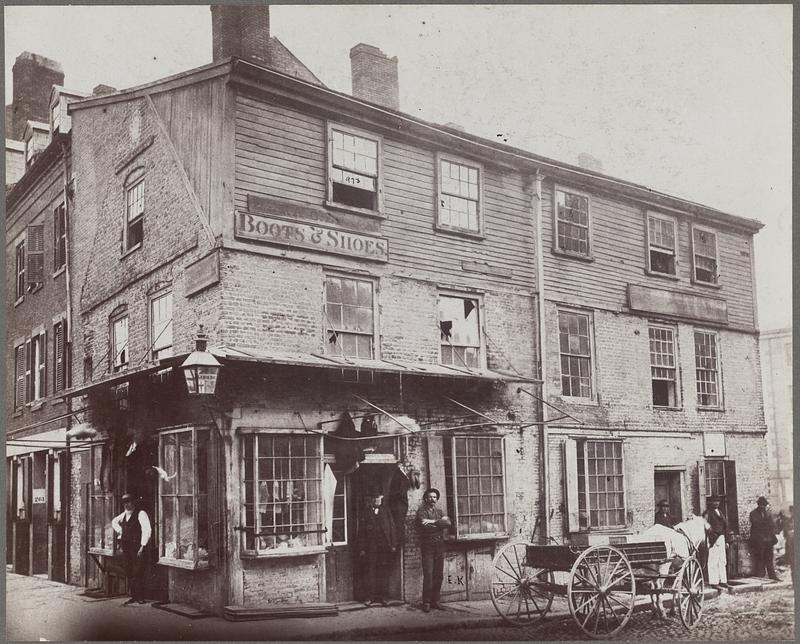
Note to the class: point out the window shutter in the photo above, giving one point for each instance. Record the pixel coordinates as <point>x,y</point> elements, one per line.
<point>29,367</point>
<point>42,366</point>
<point>571,484</point>
<point>731,497</point>
<point>35,242</point>
<point>19,396</point>
<point>701,487</point>
<point>58,357</point>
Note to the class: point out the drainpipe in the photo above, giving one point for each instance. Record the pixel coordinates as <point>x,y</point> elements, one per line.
<point>536,205</point>
<point>67,367</point>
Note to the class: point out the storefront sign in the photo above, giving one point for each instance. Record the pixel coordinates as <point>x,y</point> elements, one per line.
<point>39,496</point>
<point>678,304</point>
<point>202,274</point>
<point>298,234</point>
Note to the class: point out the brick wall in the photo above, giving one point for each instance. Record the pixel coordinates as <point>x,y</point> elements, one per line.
<point>374,76</point>
<point>33,78</point>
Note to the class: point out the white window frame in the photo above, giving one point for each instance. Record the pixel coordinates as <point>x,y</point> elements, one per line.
<point>718,371</point>
<point>441,194</point>
<point>117,349</point>
<point>652,246</point>
<point>156,337</point>
<point>676,362</point>
<point>477,298</point>
<point>589,254</point>
<point>695,279</point>
<point>20,259</point>
<point>169,553</point>
<point>591,356</point>
<point>329,326</point>
<point>135,181</point>
<point>101,502</point>
<point>37,365</point>
<point>272,548</point>
<point>478,496</point>
<point>345,483</point>
<point>354,175</point>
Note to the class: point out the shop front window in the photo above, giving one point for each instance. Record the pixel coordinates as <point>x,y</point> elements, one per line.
<point>101,501</point>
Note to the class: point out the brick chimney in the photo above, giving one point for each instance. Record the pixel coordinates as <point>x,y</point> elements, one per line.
<point>374,76</point>
<point>33,79</point>
<point>241,31</point>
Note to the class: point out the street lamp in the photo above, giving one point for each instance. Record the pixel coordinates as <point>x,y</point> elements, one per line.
<point>201,368</point>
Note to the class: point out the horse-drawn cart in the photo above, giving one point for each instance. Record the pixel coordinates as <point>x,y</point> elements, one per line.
<point>600,583</point>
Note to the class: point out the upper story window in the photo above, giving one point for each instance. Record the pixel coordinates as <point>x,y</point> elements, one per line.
<point>20,363</point>
<point>29,261</point>
<point>161,325</point>
<point>134,215</point>
<point>661,244</point>
<point>572,233</point>
<point>707,369</point>
<point>576,354</point>
<point>663,371</point>
<point>19,254</point>
<point>59,238</point>
<point>705,255</point>
<point>60,356</point>
<point>459,331</point>
<point>459,198</point>
<point>349,317</point>
<point>119,343</point>
<point>36,369</point>
<point>354,169</point>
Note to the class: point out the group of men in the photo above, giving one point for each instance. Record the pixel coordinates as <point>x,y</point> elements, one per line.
<point>763,530</point>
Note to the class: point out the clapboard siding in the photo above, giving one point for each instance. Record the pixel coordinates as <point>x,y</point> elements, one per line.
<point>619,251</point>
<point>281,154</point>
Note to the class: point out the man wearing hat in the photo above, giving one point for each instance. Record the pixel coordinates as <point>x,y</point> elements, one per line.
<point>377,540</point>
<point>663,517</point>
<point>762,539</point>
<point>133,530</point>
<point>431,522</point>
<point>717,559</point>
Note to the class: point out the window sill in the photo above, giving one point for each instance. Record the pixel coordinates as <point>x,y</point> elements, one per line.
<point>183,564</point>
<point>57,401</point>
<point>374,214</point>
<point>713,285</point>
<point>19,300</point>
<point>578,256</point>
<point>666,276</point>
<point>36,288</point>
<point>287,552</point>
<point>713,410</point>
<point>17,413</point>
<point>60,271</point>
<point>36,405</point>
<point>575,400</point>
<point>459,232</point>
<point>660,408</point>
<point>131,250</point>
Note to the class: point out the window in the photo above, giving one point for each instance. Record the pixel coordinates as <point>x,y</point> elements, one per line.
<point>36,369</point>
<point>282,493</point>
<point>134,215</point>
<point>339,510</point>
<point>572,223</point>
<point>56,484</point>
<point>474,469</point>
<point>663,372</point>
<point>575,349</point>
<point>19,253</point>
<point>704,245</point>
<point>661,243</point>
<point>349,317</point>
<point>20,362</point>
<point>717,477</point>
<point>459,203</point>
<point>595,484</point>
<point>119,343</point>
<point>459,332</point>
<point>59,237</point>
<point>101,500</point>
<point>34,250</point>
<point>183,497</point>
<point>353,173</point>
<point>706,369</point>
<point>22,470</point>
<point>60,356</point>
<point>161,326</point>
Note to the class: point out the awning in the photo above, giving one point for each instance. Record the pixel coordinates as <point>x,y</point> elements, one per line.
<point>126,375</point>
<point>51,439</point>
<point>380,366</point>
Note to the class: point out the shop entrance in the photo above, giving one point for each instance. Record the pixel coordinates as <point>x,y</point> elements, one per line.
<point>345,570</point>
<point>667,486</point>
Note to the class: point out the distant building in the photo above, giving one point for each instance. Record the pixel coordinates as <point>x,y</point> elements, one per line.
<point>777,374</point>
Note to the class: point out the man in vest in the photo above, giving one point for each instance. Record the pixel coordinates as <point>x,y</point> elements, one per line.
<point>717,557</point>
<point>663,517</point>
<point>133,531</point>
<point>431,522</point>
<point>377,540</point>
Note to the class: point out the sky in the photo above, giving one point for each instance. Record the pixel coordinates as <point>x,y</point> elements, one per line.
<point>691,100</point>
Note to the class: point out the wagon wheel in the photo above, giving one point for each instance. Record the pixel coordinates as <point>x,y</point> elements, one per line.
<point>688,592</point>
<point>601,591</point>
<point>519,593</point>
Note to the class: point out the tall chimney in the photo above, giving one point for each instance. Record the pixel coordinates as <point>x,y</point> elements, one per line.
<point>374,76</point>
<point>33,79</point>
<point>240,31</point>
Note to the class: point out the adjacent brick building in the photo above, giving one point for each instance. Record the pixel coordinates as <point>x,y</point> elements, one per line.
<point>376,288</point>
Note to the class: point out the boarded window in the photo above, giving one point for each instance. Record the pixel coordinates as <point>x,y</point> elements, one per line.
<point>706,369</point>
<point>661,240</point>
<point>459,195</point>
<point>663,372</point>
<point>134,215</point>
<point>704,243</point>
<point>459,331</point>
<point>572,223</point>
<point>353,172</point>
<point>349,316</point>
<point>575,352</point>
<point>35,255</point>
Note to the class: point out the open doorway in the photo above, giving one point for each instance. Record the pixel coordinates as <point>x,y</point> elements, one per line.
<point>667,487</point>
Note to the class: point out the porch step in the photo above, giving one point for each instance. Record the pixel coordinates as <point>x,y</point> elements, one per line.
<point>182,609</point>
<point>278,611</point>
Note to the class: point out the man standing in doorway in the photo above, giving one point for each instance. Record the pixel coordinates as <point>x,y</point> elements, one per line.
<point>663,517</point>
<point>717,559</point>
<point>133,529</point>
<point>431,522</point>
<point>762,539</point>
<point>377,540</point>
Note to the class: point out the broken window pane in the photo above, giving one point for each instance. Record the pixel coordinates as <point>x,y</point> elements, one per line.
<point>459,331</point>
<point>350,318</point>
<point>572,216</point>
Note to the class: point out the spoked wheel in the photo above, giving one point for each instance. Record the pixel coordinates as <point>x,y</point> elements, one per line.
<point>521,595</point>
<point>601,591</point>
<point>688,592</point>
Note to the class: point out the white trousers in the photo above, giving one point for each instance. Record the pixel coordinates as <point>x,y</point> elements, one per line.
<point>716,562</point>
